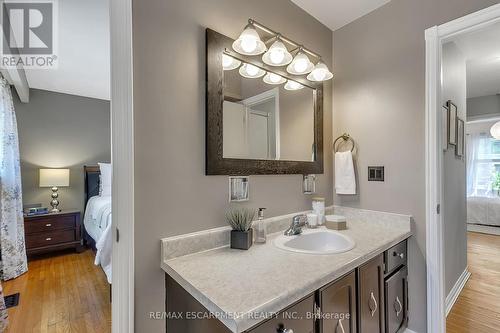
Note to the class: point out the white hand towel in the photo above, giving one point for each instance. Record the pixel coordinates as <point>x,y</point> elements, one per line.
<point>345,180</point>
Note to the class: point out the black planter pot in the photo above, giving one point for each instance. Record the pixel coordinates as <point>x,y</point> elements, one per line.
<point>242,240</point>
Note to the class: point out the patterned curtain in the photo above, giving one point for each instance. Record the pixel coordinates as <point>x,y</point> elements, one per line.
<point>12,249</point>
<point>3,312</point>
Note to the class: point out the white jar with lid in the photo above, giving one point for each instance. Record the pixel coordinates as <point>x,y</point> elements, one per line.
<point>318,207</point>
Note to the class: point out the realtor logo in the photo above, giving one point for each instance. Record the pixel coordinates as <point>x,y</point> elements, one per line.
<point>29,33</point>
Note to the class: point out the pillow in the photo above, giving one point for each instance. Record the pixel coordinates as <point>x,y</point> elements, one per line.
<point>106,175</point>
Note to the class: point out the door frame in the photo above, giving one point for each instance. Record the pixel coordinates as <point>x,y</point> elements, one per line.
<point>122,155</point>
<point>435,37</point>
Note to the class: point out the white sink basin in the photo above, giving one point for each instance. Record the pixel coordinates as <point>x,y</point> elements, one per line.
<point>315,241</point>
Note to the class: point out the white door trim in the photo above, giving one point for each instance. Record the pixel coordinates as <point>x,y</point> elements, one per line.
<point>434,39</point>
<point>122,156</point>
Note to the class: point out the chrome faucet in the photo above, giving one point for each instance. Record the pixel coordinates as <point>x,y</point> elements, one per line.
<point>295,228</point>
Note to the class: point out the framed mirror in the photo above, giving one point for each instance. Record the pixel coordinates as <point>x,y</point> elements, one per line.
<point>259,119</point>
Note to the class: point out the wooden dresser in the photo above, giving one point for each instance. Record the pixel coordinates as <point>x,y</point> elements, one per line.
<point>52,232</point>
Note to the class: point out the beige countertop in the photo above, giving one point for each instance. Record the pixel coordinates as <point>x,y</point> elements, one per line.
<point>242,286</point>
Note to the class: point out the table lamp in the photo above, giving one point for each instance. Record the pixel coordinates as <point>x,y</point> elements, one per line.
<point>54,178</point>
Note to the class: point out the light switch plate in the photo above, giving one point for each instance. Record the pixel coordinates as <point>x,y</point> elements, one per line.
<point>376,174</point>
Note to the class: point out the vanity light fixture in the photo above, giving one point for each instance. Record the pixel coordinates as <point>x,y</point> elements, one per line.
<point>271,78</point>
<point>495,130</point>
<point>278,54</point>
<point>251,72</point>
<point>320,73</point>
<point>229,63</point>
<point>249,42</point>
<point>293,85</point>
<point>300,64</point>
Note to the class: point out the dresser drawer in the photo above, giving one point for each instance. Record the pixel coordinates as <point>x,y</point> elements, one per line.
<point>48,223</point>
<point>395,257</point>
<point>50,238</point>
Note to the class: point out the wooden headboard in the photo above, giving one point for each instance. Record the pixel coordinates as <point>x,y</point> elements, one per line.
<point>92,181</point>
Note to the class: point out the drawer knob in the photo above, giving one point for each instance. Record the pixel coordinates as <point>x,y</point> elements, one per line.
<point>401,255</point>
<point>284,330</point>
<point>48,225</point>
<point>48,239</point>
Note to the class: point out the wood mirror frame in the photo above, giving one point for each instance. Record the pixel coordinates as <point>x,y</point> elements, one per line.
<point>216,164</point>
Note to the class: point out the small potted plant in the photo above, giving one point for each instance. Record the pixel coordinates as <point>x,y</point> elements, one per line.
<point>241,222</point>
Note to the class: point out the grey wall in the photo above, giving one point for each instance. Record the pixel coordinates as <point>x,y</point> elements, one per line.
<point>454,206</point>
<point>483,107</point>
<point>172,194</point>
<point>379,98</point>
<point>61,131</point>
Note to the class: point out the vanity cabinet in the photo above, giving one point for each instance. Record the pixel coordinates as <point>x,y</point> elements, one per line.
<point>338,302</point>
<point>371,296</point>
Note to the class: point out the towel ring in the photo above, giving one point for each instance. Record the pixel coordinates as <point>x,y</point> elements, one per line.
<point>345,137</point>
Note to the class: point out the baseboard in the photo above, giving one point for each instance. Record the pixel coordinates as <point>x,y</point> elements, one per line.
<point>484,229</point>
<point>456,290</point>
<point>408,331</point>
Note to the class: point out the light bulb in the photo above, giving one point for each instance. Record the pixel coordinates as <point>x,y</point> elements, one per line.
<point>277,56</point>
<point>292,85</point>
<point>248,44</point>
<point>319,74</point>
<point>300,65</point>
<point>274,78</point>
<point>252,70</point>
<point>229,63</point>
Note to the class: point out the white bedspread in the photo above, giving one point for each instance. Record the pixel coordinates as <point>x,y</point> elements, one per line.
<point>483,210</point>
<point>97,221</point>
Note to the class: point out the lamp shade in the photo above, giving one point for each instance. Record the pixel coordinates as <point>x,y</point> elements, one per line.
<point>54,177</point>
<point>495,130</point>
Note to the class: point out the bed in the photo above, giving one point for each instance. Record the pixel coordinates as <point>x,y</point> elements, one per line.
<point>97,220</point>
<point>483,210</point>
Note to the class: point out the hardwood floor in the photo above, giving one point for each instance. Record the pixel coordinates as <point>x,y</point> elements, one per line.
<point>61,293</point>
<point>477,309</point>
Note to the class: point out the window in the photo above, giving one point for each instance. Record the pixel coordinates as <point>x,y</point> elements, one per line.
<point>483,166</point>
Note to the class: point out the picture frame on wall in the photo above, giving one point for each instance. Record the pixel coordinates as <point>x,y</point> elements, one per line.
<point>459,148</point>
<point>452,123</point>
<point>444,137</point>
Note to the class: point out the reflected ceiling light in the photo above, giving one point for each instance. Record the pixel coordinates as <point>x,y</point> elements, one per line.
<point>293,85</point>
<point>229,63</point>
<point>277,55</point>
<point>320,73</point>
<point>495,130</point>
<point>251,71</point>
<point>249,42</point>
<point>300,64</point>
<point>272,78</point>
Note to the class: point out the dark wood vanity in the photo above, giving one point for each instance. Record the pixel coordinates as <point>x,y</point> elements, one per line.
<point>372,298</point>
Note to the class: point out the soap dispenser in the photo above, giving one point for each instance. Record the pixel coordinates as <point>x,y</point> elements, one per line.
<point>261,227</point>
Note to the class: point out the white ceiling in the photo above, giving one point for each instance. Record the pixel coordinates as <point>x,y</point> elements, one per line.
<point>84,58</point>
<point>482,50</point>
<point>337,13</point>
